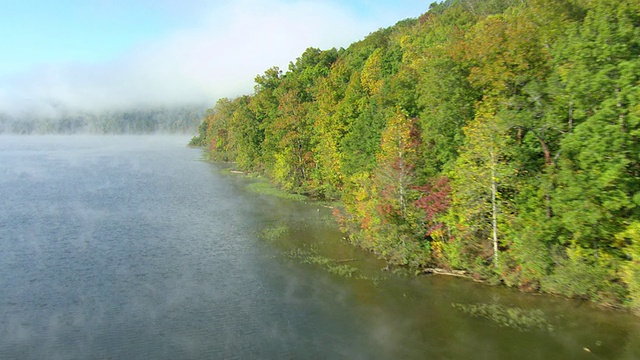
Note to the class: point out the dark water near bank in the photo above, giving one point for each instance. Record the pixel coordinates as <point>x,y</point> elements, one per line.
<point>131,247</point>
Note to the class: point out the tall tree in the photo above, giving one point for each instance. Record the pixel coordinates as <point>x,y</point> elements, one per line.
<point>479,179</point>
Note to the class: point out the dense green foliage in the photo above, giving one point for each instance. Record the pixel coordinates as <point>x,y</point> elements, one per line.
<point>179,119</point>
<point>501,137</point>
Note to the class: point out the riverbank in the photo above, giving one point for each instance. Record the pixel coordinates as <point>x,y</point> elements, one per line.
<point>261,185</point>
<point>527,178</point>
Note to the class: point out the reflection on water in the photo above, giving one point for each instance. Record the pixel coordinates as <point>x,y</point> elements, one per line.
<point>130,247</point>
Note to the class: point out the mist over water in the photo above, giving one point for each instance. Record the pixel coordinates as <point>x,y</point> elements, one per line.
<point>164,120</point>
<point>132,247</point>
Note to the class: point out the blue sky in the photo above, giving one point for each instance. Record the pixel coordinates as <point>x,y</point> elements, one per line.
<point>121,53</point>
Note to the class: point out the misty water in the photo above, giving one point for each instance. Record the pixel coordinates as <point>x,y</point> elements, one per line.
<point>125,247</point>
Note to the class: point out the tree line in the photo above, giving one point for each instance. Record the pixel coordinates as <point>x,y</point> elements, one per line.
<point>500,137</point>
<point>176,119</point>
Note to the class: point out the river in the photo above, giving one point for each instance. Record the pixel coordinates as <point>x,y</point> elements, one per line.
<point>131,247</point>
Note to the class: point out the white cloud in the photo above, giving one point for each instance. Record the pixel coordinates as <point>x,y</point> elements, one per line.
<point>218,57</point>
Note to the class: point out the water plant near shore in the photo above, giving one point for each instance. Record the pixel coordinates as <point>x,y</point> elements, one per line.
<point>507,316</point>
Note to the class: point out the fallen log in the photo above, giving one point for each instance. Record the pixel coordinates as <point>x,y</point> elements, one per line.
<point>457,273</point>
<point>345,260</point>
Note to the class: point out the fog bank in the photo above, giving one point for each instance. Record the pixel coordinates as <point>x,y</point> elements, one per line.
<point>218,56</point>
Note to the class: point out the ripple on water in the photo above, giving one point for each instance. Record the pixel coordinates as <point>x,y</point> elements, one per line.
<point>129,247</point>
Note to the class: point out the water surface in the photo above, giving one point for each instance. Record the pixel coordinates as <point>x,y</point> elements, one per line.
<point>128,247</point>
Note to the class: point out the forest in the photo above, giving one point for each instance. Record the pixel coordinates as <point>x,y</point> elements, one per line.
<point>497,137</point>
<point>174,119</point>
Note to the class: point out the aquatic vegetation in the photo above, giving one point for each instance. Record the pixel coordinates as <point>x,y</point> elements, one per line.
<point>507,316</point>
<point>333,266</point>
<point>266,188</point>
<point>274,232</point>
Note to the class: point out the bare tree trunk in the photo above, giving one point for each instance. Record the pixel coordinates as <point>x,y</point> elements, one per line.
<point>403,207</point>
<point>548,161</point>
<point>494,205</point>
<point>545,151</point>
<point>547,198</point>
<point>623,124</point>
